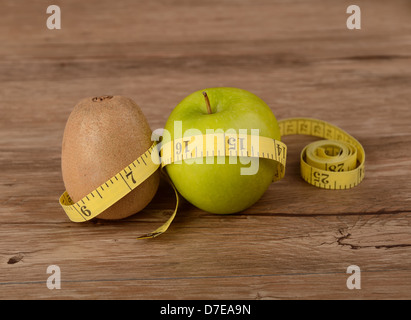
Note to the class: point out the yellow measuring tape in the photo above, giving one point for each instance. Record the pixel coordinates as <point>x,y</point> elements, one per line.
<point>334,163</point>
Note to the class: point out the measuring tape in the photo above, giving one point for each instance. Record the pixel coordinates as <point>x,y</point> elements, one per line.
<point>198,147</point>
<point>334,163</point>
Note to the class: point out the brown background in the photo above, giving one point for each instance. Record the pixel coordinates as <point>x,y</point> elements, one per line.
<point>299,57</point>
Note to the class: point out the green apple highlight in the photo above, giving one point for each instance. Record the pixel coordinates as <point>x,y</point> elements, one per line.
<point>216,185</point>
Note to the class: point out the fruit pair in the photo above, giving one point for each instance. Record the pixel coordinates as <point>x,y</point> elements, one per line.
<point>105,134</point>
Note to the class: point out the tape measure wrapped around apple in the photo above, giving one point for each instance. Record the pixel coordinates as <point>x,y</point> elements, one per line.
<point>220,150</point>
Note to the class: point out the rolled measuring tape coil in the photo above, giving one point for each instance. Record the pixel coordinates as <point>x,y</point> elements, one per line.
<point>334,163</point>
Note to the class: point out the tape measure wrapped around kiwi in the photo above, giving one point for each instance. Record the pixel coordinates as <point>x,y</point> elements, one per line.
<point>103,136</point>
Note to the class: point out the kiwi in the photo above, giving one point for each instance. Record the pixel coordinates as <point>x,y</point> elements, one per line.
<point>102,136</point>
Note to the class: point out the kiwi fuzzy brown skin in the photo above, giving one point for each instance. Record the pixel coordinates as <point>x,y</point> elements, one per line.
<point>103,135</point>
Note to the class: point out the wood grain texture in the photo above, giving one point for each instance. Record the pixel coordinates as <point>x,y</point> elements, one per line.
<point>298,56</point>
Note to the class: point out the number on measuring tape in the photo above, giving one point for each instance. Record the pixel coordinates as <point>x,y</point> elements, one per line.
<point>320,177</point>
<point>85,211</point>
<point>336,167</point>
<point>130,175</point>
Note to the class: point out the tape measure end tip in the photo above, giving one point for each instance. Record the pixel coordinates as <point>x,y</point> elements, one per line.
<point>149,235</point>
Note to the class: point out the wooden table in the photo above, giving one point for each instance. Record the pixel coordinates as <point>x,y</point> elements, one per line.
<point>297,241</point>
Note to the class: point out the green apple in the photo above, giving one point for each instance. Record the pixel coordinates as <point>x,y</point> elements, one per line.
<point>221,187</point>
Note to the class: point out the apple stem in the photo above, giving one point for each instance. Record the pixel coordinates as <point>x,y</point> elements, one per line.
<point>207,102</point>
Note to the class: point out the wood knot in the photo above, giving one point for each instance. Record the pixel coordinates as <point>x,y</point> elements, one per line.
<point>16,258</point>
